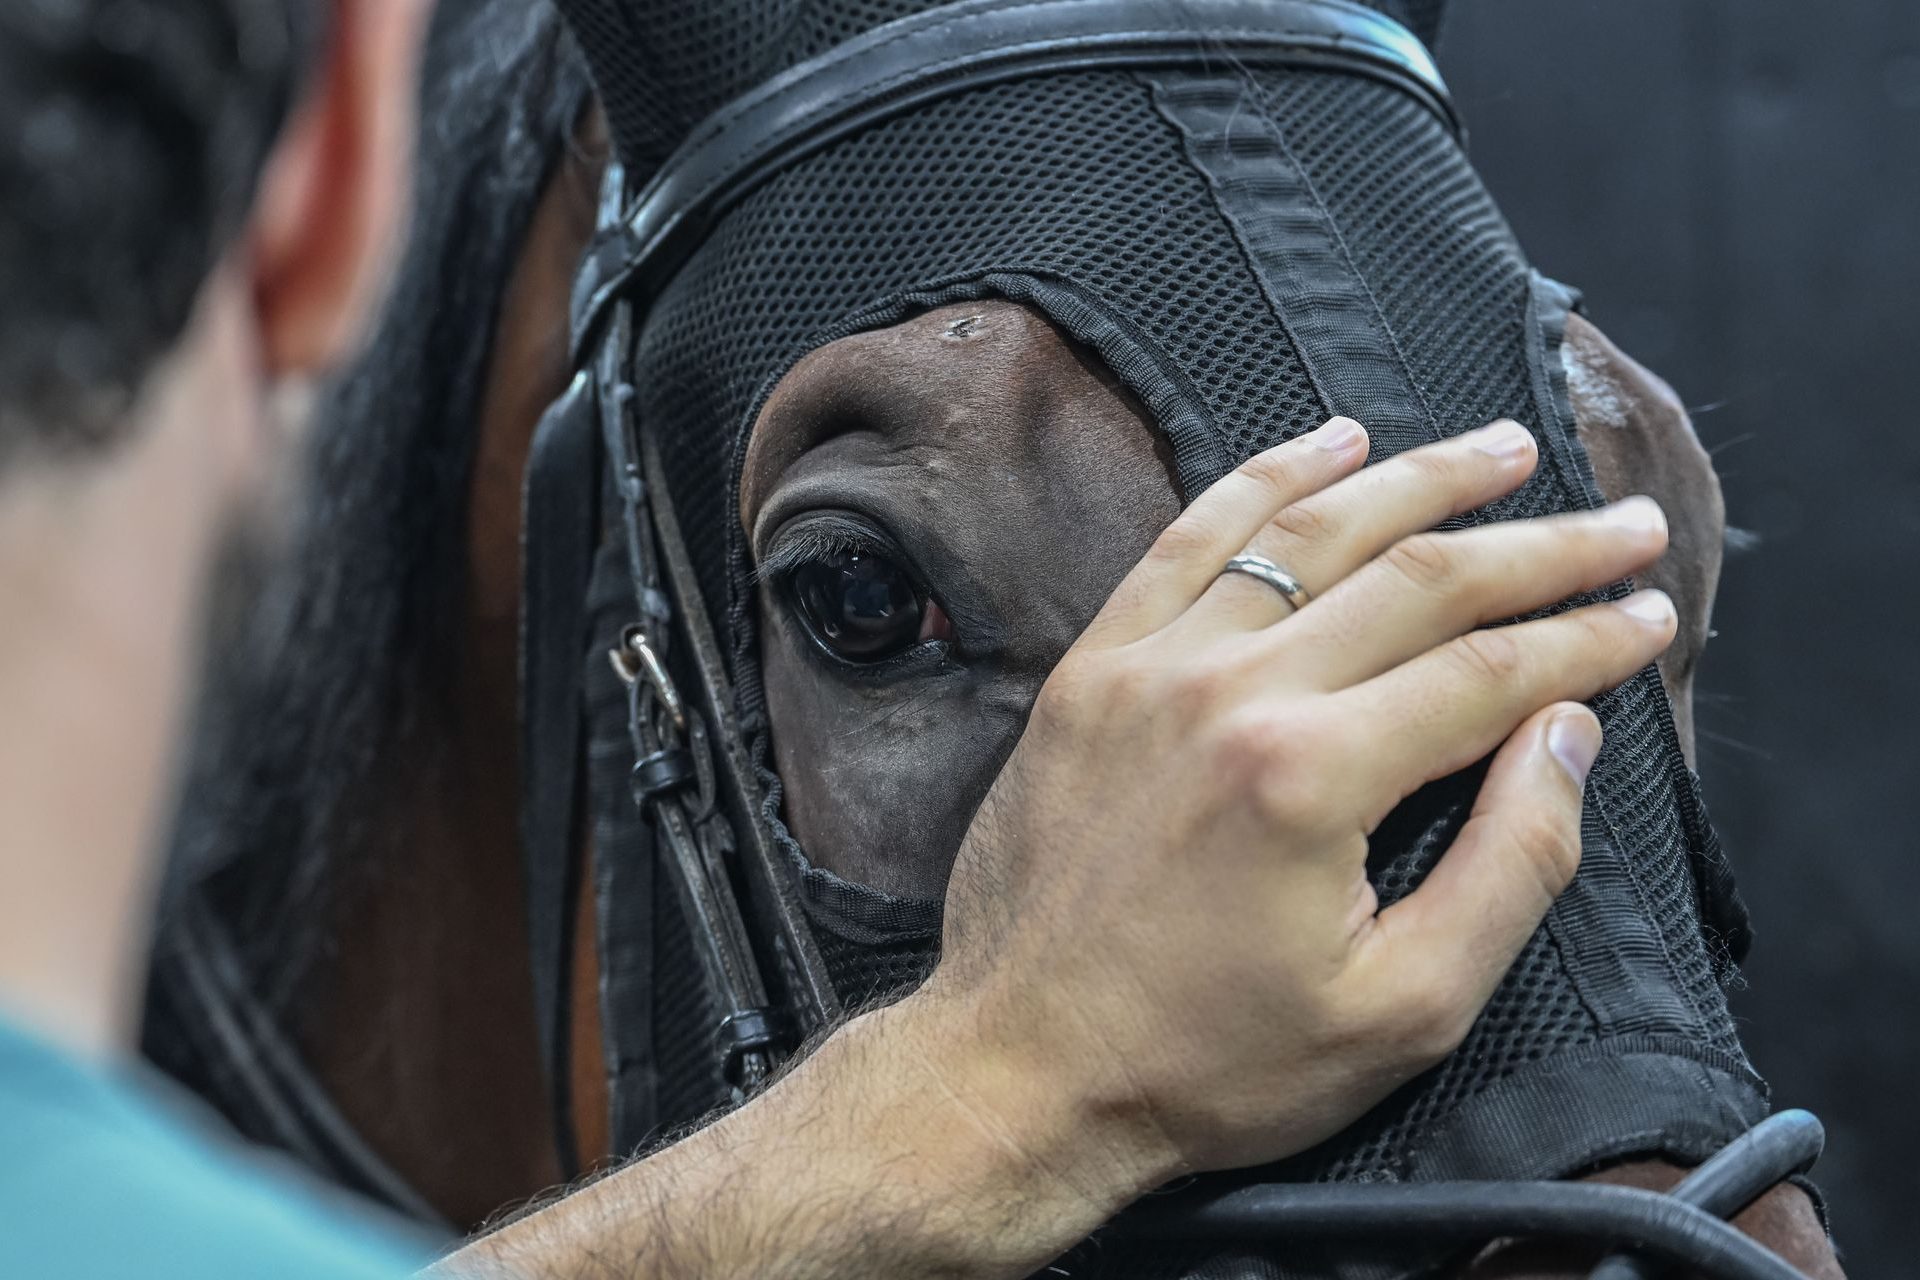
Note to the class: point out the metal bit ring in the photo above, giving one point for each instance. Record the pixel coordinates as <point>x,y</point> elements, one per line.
<point>1273,575</point>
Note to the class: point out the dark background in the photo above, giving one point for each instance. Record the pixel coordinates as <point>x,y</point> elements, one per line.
<point>1735,184</point>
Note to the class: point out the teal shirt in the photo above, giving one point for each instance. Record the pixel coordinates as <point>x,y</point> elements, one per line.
<point>104,1176</point>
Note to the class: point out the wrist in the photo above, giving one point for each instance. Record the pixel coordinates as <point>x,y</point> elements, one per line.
<point>939,1137</point>
<point>1048,1132</point>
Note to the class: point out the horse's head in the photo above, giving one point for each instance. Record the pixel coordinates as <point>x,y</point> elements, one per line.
<point>924,338</point>
<point>937,509</point>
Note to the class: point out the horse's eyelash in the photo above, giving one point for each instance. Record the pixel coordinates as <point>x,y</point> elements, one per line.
<point>812,543</point>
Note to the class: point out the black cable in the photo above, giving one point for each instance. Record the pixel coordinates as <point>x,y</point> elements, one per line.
<point>1740,1173</point>
<point>1463,1212</point>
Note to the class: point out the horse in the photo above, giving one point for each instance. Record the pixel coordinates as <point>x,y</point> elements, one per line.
<point>390,938</point>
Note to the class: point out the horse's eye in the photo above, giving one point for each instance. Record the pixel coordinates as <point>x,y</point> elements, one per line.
<point>861,606</point>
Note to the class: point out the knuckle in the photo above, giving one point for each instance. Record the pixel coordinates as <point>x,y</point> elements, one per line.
<point>1428,561</point>
<point>1064,692</point>
<point>1272,470</point>
<point>1437,466</point>
<point>1548,842</point>
<point>1432,1020</point>
<point>1489,656</point>
<point>1249,743</point>
<point>1443,1023</point>
<point>1086,688</point>
<point>1604,631</point>
<point>1585,654</point>
<point>1285,798</point>
<point>1262,754</point>
<point>1311,522</point>
<point>1189,538</point>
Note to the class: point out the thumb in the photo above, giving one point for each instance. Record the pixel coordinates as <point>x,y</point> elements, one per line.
<point>1517,851</point>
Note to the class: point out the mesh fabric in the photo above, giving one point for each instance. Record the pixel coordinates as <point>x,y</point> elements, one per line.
<point>1084,186</point>
<point>664,65</point>
<point>916,201</point>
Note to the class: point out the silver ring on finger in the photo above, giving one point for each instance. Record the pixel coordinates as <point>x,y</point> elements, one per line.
<point>1273,575</point>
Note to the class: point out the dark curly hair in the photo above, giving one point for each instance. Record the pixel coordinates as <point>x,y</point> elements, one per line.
<point>132,136</point>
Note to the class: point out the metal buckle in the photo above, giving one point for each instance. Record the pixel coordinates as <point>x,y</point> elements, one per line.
<point>634,658</point>
<point>744,1033</point>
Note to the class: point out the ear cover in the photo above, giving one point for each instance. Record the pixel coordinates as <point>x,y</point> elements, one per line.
<point>662,66</point>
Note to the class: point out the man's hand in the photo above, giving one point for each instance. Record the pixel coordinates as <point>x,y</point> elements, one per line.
<point>1162,907</point>
<point>1162,952</point>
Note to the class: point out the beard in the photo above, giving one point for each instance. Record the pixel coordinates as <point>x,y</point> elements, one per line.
<point>248,605</point>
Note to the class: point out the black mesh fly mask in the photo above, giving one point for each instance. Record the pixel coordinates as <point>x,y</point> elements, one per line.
<point>1257,214</point>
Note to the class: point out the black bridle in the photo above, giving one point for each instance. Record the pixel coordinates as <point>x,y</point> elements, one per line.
<point>256,1070</point>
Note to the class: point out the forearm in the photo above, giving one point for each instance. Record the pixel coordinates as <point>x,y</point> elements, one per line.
<point>889,1151</point>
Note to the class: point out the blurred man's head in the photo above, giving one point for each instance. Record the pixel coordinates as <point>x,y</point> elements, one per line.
<point>155,151</point>
<point>198,200</point>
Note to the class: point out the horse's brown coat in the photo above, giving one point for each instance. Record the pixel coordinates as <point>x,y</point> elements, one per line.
<point>1023,484</point>
<point>1784,1220</point>
<point>421,1027</point>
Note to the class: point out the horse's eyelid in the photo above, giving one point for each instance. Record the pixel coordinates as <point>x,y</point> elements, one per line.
<point>813,543</point>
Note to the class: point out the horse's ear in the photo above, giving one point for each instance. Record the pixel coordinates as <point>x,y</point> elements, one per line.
<point>1640,439</point>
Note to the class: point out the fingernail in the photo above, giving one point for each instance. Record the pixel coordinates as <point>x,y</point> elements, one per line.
<point>1650,606</point>
<point>1638,514</point>
<point>1574,740</point>
<point>1505,439</point>
<point>1339,435</point>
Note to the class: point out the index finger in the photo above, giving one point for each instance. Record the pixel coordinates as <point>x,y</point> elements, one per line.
<point>1189,553</point>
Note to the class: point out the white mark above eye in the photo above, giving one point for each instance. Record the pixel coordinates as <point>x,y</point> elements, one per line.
<point>963,326</point>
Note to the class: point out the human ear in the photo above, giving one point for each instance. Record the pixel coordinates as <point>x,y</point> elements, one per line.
<point>336,189</point>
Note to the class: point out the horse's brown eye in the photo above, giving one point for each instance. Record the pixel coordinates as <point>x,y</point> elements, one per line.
<point>858,605</point>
